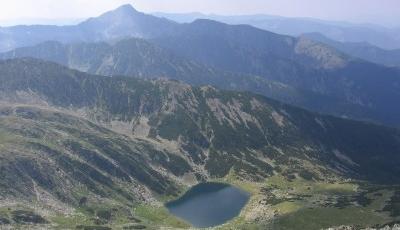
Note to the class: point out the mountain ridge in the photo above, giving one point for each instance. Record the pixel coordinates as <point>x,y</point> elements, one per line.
<point>139,58</point>
<point>266,60</point>
<point>340,31</point>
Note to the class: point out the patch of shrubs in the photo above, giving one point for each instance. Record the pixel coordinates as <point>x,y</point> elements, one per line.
<point>27,217</point>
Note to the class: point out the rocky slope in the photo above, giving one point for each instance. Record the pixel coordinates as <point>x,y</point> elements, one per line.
<point>104,144</point>
<point>206,123</point>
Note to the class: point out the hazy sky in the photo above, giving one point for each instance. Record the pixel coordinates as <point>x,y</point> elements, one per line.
<point>386,12</point>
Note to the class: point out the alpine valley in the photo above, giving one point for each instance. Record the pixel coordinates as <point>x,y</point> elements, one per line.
<point>104,122</point>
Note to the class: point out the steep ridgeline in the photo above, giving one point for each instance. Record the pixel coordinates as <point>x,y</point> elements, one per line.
<point>211,132</point>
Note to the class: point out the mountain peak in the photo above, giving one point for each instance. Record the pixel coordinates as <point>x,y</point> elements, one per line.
<point>127,8</point>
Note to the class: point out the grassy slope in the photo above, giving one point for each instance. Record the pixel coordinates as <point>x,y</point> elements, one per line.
<point>35,141</point>
<point>278,203</point>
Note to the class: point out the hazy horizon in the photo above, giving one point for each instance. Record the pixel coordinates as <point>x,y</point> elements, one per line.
<point>384,12</point>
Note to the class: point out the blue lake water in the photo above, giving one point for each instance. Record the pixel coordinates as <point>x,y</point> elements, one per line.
<point>209,204</point>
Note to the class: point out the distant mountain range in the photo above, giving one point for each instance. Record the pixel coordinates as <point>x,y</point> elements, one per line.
<point>372,43</point>
<point>124,22</point>
<point>295,70</point>
<point>386,38</point>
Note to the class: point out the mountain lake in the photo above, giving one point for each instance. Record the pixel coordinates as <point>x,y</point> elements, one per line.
<point>209,204</point>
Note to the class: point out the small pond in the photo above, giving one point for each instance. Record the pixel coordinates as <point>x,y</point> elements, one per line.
<point>209,204</point>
